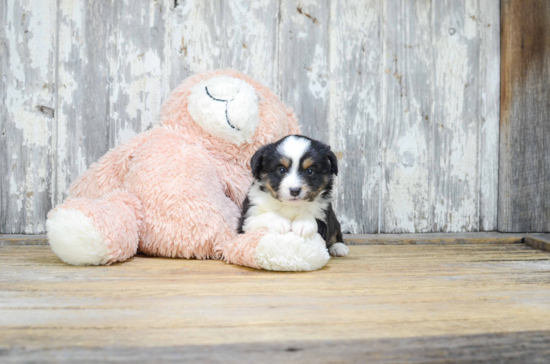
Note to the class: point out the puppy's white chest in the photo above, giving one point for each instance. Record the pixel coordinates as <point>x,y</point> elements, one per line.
<point>263,202</point>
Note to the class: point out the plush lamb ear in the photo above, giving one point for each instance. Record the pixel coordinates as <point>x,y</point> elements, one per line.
<point>257,161</point>
<point>333,162</point>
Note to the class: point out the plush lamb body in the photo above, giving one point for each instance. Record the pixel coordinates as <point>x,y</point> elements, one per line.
<point>176,190</point>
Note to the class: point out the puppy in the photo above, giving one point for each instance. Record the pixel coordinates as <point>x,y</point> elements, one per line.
<point>292,191</point>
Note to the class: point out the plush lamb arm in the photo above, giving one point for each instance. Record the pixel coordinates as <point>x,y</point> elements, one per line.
<point>262,249</point>
<point>235,186</point>
<point>108,173</point>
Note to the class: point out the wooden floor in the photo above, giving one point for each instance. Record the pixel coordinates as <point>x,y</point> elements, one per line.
<point>480,302</point>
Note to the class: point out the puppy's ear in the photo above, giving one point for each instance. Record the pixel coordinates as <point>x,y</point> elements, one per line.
<point>256,163</point>
<point>333,162</point>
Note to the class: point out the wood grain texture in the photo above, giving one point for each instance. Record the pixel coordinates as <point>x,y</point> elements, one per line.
<point>517,347</point>
<point>436,117</point>
<point>355,107</point>
<point>379,294</point>
<point>22,239</point>
<point>489,110</point>
<point>524,174</point>
<point>406,92</point>
<point>356,239</point>
<point>406,137</point>
<point>136,64</point>
<point>434,239</point>
<point>304,63</point>
<point>27,103</point>
<point>456,115</point>
<point>204,35</point>
<point>110,79</point>
<point>538,241</point>
<point>83,89</point>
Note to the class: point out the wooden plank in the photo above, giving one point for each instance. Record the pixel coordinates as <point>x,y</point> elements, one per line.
<point>436,117</point>
<point>27,45</point>
<point>407,130</point>
<point>136,64</point>
<point>83,89</point>
<point>459,28</point>
<point>489,109</point>
<point>204,35</point>
<point>433,239</point>
<point>517,347</point>
<point>355,239</point>
<point>379,294</point>
<point>355,105</point>
<point>21,239</point>
<point>524,174</point>
<point>538,241</point>
<point>110,79</point>
<point>304,63</point>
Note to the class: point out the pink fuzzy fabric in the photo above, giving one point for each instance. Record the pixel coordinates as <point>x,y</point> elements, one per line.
<point>178,188</point>
<point>118,216</point>
<point>242,249</point>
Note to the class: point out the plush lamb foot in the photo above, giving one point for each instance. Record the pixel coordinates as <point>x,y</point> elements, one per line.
<point>278,252</point>
<point>291,252</point>
<point>84,231</point>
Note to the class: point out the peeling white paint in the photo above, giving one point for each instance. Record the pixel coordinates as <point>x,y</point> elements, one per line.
<point>67,89</point>
<point>42,35</point>
<point>35,127</point>
<point>318,80</point>
<point>27,117</point>
<point>124,134</point>
<point>144,88</point>
<point>71,50</point>
<point>348,225</point>
<point>203,37</point>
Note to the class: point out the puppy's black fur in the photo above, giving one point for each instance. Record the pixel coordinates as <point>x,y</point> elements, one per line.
<point>330,230</point>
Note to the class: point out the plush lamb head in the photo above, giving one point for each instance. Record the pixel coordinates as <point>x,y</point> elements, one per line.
<point>226,107</point>
<point>176,190</point>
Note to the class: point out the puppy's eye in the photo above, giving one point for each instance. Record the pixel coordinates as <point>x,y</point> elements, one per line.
<point>309,171</point>
<point>282,170</point>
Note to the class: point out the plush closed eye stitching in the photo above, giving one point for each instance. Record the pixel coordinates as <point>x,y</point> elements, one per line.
<point>226,102</point>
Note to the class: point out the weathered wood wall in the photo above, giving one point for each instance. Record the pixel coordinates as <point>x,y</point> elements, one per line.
<point>524,198</point>
<point>407,92</point>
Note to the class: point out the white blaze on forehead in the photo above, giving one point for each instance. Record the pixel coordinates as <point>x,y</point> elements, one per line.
<point>293,148</point>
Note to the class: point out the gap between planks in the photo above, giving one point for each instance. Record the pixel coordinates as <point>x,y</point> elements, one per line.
<point>537,241</point>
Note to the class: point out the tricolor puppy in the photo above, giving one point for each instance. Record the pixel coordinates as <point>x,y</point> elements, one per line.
<point>292,191</point>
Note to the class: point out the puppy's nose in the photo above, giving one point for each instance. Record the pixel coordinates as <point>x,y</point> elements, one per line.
<point>295,191</point>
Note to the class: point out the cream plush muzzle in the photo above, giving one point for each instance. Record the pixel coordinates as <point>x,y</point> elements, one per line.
<point>225,107</point>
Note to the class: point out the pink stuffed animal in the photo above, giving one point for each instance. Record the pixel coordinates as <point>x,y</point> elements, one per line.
<point>176,190</point>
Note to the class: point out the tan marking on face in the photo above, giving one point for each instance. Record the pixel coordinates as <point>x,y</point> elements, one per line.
<point>270,188</point>
<point>285,162</point>
<point>315,193</point>
<point>307,163</point>
<point>267,184</point>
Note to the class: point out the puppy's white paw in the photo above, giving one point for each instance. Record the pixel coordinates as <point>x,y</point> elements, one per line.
<point>304,228</point>
<point>279,225</point>
<point>338,250</point>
